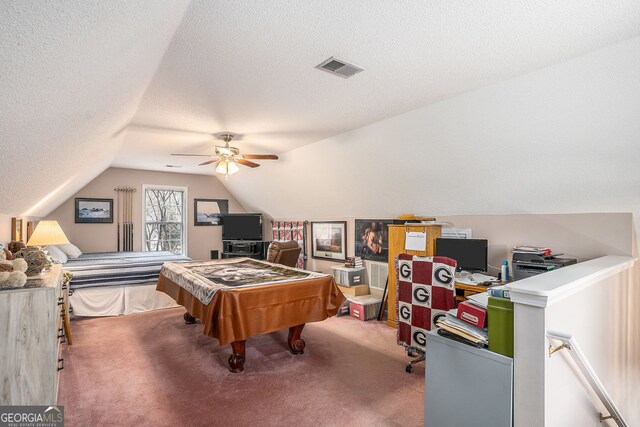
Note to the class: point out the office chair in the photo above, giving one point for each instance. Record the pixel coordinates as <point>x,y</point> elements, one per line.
<point>285,253</point>
<point>425,291</point>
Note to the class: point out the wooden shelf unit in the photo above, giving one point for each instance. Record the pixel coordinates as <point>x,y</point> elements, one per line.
<point>397,234</point>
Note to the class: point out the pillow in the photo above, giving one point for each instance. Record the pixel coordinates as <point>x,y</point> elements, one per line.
<point>57,255</point>
<point>71,250</point>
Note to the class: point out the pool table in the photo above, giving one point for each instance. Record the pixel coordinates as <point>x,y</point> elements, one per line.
<point>233,315</point>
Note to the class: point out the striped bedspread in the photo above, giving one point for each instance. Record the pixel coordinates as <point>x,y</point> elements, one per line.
<point>118,268</point>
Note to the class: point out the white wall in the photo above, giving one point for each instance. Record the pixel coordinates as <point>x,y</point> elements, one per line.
<point>597,306</point>
<point>562,139</point>
<point>5,229</point>
<point>103,237</point>
<point>581,236</point>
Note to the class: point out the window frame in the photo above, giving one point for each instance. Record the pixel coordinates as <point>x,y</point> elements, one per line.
<point>185,213</point>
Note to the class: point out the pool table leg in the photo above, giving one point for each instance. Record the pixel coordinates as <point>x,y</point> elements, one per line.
<point>296,344</point>
<point>189,319</point>
<point>236,360</point>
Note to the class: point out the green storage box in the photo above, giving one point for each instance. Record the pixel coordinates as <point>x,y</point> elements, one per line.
<point>500,324</point>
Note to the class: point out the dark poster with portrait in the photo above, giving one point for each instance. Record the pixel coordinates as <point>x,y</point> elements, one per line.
<point>372,239</point>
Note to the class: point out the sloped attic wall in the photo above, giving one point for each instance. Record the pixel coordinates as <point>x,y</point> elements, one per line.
<point>563,139</point>
<point>73,74</point>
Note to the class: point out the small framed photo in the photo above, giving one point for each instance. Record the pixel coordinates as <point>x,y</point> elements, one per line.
<point>209,211</point>
<point>91,211</point>
<point>329,240</point>
<point>16,229</point>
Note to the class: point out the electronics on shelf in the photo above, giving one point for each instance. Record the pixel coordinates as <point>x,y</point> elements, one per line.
<point>245,226</point>
<point>471,254</point>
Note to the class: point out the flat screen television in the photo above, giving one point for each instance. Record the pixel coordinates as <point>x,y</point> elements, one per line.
<point>471,254</point>
<point>245,226</point>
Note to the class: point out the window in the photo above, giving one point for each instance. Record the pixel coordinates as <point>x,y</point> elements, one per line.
<point>165,216</point>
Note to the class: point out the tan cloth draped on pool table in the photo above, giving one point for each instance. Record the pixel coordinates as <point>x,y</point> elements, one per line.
<point>236,314</point>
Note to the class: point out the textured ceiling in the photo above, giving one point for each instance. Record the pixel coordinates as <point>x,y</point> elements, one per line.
<point>73,74</point>
<point>248,66</point>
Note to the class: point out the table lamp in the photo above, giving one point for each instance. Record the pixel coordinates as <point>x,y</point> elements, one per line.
<point>46,233</point>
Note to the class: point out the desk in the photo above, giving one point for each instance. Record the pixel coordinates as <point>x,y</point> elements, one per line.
<point>233,315</point>
<point>465,290</point>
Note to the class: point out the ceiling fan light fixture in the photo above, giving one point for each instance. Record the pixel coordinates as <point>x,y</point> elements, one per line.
<point>227,167</point>
<point>232,168</point>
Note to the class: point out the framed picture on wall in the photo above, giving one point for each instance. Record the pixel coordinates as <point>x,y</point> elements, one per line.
<point>16,229</point>
<point>92,211</point>
<point>329,240</point>
<point>209,211</point>
<point>372,239</point>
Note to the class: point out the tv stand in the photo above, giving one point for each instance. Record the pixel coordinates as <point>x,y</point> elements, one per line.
<point>244,249</point>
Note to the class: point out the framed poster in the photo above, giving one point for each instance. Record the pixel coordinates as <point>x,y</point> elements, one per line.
<point>94,211</point>
<point>209,211</point>
<point>372,239</point>
<point>329,240</point>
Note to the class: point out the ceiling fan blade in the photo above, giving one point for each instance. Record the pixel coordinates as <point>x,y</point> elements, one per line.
<point>247,163</point>
<point>193,155</point>
<point>208,162</point>
<point>260,156</point>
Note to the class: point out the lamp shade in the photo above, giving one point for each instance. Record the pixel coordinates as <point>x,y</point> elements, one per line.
<point>47,233</point>
<point>227,167</point>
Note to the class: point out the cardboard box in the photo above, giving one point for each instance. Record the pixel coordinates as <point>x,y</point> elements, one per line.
<point>364,307</point>
<point>354,290</point>
<point>472,314</point>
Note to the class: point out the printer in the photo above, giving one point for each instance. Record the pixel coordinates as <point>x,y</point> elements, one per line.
<point>530,264</point>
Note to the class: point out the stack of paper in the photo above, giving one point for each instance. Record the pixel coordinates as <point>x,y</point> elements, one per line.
<point>475,279</point>
<point>480,299</point>
<point>524,249</point>
<point>461,328</point>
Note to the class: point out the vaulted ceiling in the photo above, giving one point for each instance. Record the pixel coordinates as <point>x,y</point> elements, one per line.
<point>89,85</point>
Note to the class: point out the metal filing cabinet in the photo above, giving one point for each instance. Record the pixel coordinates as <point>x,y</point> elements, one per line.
<point>466,386</point>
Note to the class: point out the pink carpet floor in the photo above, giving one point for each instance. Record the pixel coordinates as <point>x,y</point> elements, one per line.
<point>151,369</point>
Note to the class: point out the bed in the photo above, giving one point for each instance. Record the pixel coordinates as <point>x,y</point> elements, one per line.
<point>114,283</point>
<point>240,297</point>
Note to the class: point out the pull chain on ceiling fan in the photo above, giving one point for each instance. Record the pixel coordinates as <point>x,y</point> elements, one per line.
<point>229,157</point>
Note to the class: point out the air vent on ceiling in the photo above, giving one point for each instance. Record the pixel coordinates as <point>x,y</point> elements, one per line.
<point>338,68</point>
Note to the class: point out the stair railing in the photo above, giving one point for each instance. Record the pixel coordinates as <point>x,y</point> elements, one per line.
<point>571,345</point>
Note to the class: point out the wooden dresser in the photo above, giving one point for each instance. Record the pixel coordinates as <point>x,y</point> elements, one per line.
<point>397,233</point>
<point>31,336</point>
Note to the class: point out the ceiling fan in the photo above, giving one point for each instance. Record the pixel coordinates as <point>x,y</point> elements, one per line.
<point>229,157</point>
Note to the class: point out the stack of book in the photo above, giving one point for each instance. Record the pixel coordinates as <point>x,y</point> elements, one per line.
<point>353,262</point>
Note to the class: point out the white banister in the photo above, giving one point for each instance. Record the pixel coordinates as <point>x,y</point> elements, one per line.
<point>570,343</point>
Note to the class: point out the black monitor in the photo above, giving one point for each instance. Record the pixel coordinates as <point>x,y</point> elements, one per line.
<point>246,226</point>
<point>471,254</point>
